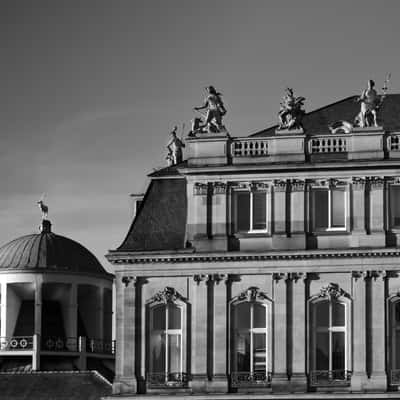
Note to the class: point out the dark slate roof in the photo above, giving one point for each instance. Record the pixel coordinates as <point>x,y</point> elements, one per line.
<point>47,251</point>
<point>161,221</point>
<point>317,121</point>
<point>168,171</point>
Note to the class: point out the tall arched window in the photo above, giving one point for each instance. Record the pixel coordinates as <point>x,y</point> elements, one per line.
<point>250,338</point>
<point>167,332</point>
<point>394,339</point>
<point>330,340</point>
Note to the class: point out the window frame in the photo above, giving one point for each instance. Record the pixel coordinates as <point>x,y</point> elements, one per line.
<point>391,348</point>
<point>312,209</point>
<point>251,189</point>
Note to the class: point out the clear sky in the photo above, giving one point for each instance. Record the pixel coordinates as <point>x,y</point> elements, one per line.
<point>89,90</point>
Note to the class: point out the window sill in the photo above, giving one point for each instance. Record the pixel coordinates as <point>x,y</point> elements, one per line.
<point>243,235</point>
<point>331,233</point>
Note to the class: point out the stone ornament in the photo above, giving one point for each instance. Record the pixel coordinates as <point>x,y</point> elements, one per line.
<point>358,183</point>
<point>167,295</point>
<point>333,291</point>
<point>252,294</point>
<point>291,113</point>
<point>280,186</point>
<point>219,187</point>
<point>174,147</point>
<point>200,189</point>
<point>127,280</point>
<point>376,182</point>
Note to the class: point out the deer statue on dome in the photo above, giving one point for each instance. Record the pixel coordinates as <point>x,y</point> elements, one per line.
<point>43,208</point>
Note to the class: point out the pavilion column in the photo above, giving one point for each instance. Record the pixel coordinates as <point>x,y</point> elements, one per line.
<point>359,377</point>
<point>71,329</point>
<point>298,345</point>
<point>3,305</point>
<point>38,307</point>
<point>218,334</point>
<point>100,313</point>
<point>199,333</point>
<point>280,373</point>
<point>376,331</point>
<point>125,379</point>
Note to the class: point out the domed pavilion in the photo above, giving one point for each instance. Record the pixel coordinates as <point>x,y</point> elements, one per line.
<point>56,306</point>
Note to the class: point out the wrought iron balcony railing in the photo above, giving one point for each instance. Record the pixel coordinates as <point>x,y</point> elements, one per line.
<point>247,379</point>
<point>249,148</point>
<point>100,346</point>
<point>16,343</point>
<point>165,380</point>
<point>338,377</point>
<point>56,343</point>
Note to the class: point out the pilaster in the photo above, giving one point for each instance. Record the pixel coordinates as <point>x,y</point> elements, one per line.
<point>358,205</point>
<point>280,373</point>
<point>198,218</point>
<point>279,217</point>
<point>297,214</point>
<point>218,216</point>
<point>376,209</point>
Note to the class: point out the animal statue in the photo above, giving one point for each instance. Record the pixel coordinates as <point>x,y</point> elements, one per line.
<point>43,208</point>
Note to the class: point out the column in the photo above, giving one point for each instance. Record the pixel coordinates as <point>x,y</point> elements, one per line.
<point>218,217</point>
<point>38,307</point>
<point>377,381</point>
<point>358,206</point>
<point>297,217</point>
<point>199,333</point>
<point>359,377</point>
<point>279,217</point>
<point>197,215</point>
<point>376,211</point>
<point>125,379</point>
<point>100,313</point>
<point>280,374</point>
<point>219,382</point>
<point>71,329</point>
<point>3,330</point>
<point>298,379</point>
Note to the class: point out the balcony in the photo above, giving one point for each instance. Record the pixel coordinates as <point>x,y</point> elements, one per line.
<point>249,380</point>
<point>324,378</point>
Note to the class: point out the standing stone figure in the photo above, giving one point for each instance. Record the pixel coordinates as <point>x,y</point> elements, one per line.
<point>174,147</point>
<point>215,111</point>
<point>291,113</point>
<point>370,103</point>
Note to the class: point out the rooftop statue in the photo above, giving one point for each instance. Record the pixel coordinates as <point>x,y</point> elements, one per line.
<point>291,113</point>
<point>174,147</point>
<point>43,208</point>
<point>213,118</point>
<point>371,102</point>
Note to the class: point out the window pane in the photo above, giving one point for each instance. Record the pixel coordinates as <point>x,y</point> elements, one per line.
<point>320,205</point>
<point>158,313</point>
<point>174,317</point>
<point>259,210</point>
<point>338,202</point>
<point>259,349</point>
<point>157,351</point>
<point>322,351</point>
<point>174,353</point>
<point>397,349</point>
<point>243,211</point>
<point>242,352</point>
<point>322,314</point>
<point>242,316</point>
<point>338,314</point>
<point>395,205</point>
<point>338,353</point>
<point>259,316</point>
<point>397,313</point>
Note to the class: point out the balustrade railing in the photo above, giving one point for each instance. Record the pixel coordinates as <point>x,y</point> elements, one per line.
<point>247,379</point>
<point>172,379</point>
<point>330,378</point>
<point>55,343</point>
<point>328,144</point>
<point>394,142</point>
<point>249,148</point>
<point>100,346</point>
<point>16,343</point>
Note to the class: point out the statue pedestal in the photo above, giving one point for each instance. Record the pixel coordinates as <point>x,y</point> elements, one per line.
<point>208,149</point>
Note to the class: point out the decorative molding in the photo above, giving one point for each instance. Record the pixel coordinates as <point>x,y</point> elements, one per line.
<point>278,276</point>
<point>358,183</point>
<point>376,182</point>
<point>253,293</point>
<point>333,291</point>
<point>167,295</point>
<point>200,278</point>
<point>333,182</point>
<point>200,189</point>
<point>297,185</point>
<point>259,186</point>
<point>280,186</point>
<point>127,280</point>
<point>378,275</point>
<point>240,185</point>
<point>219,188</point>
<point>295,276</point>
<point>359,275</point>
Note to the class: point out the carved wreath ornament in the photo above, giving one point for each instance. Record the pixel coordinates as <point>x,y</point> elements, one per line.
<point>253,293</point>
<point>167,295</point>
<point>333,291</point>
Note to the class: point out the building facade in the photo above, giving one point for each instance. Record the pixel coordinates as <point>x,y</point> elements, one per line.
<point>267,263</point>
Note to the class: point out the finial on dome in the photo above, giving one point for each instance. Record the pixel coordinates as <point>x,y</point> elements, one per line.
<point>45,227</point>
<point>43,207</point>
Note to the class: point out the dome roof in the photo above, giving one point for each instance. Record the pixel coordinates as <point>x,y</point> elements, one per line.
<point>50,252</point>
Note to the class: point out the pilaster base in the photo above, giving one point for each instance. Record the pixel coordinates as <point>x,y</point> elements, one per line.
<point>124,385</point>
<point>218,384</point>
<point>199,383</point>
<point>280,383</point>
<point>358,381</point>
<point>298,383</point>
<point>377,382</point>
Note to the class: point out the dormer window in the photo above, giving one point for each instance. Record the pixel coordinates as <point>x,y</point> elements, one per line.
<point>329,208</point>
<point>250,209</point>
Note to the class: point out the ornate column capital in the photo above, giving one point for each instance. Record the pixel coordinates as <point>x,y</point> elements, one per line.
<point>297,185</point>
<point>129,280</point>
<point>280,185</point>
<point>376,182</point>
<point>198,278</point>
<point>358,183</point>
<point>219,187</point>
<point>259,186</point>
<point>296,276</point>
<point>200,189</point>
<point>356,275</point>
<point>278,276</point>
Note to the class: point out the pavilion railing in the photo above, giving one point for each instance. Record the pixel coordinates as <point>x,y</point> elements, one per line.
<point>393,142</point>
<point>328,144</point>
<point>338,377</point>
<point>249,147</point>
<point>248,379</point>
<point>16,343</point>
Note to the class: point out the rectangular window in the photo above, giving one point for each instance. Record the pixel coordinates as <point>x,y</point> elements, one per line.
<point>250,211</point>
<point>329,209</point>
<point>395,206</point>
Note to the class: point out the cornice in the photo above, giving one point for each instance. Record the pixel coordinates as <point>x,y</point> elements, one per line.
<point>132,258</point>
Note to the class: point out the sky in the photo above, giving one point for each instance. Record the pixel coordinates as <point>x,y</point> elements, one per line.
<point>89,90</point>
